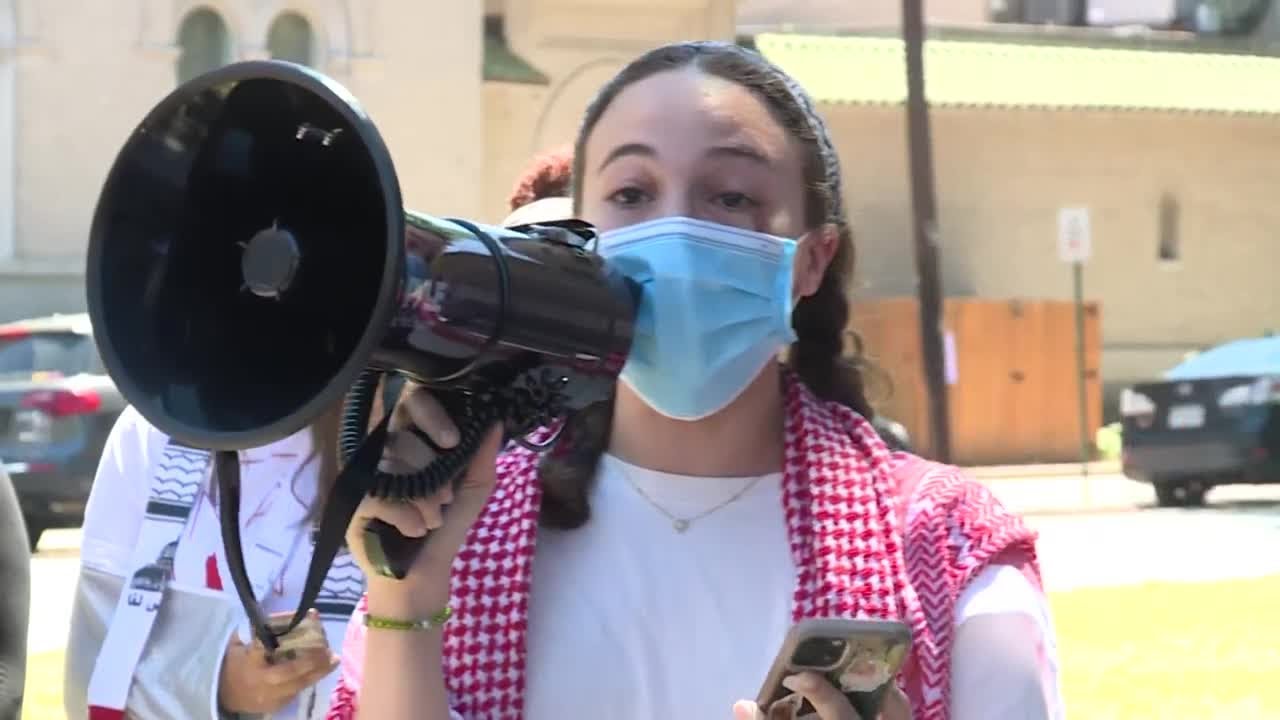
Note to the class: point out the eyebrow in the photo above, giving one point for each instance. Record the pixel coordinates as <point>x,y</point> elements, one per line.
<point>625,150</point>
<point>739,151</point>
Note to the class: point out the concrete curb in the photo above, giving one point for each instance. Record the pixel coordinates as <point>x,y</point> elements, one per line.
<point>1015,472</point>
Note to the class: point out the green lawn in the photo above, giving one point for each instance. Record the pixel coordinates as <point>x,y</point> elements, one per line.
<point>1167,651</point>
<point>1172,651</point>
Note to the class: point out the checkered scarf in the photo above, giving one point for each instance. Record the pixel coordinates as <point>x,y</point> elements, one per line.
<point>845,521</point>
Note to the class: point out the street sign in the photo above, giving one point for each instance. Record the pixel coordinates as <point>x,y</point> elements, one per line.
<point>1075,244</point>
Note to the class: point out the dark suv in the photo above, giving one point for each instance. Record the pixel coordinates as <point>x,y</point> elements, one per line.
<point>57,406</point>
<point>1213,420</point>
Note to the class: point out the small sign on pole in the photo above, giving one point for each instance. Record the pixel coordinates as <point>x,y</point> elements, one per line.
<point>1075,245</point>
<point>1075,242</point>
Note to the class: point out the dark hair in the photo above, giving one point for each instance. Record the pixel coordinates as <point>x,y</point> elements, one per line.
<point>324,451</point>
<point>818,355</point>
<point>547,176</point>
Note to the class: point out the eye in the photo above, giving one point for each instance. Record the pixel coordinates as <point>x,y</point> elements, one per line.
<point>736,201</point>
<point>629,197</point>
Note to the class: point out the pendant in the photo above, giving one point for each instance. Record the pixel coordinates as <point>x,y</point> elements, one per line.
<point>680,525</point>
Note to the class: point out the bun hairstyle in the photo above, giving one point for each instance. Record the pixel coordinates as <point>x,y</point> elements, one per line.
<point>818,355</point>
<point>549,175</point>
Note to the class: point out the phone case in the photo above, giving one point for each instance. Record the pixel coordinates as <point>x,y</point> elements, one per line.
<point>861,657</point>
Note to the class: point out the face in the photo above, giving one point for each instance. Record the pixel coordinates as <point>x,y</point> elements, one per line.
<point>685,143</point>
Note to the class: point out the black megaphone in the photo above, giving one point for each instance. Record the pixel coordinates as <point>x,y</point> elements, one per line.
<point>250,265</point>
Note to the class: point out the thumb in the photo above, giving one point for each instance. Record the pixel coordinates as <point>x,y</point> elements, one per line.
<point>747,710</point>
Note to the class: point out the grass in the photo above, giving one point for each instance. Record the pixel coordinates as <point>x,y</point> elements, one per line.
<point>44,687</point>
<point>1163,650</point>
<point>1171,651</point>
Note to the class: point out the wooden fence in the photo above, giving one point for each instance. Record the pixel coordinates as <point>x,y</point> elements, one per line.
<point>1013,394</point>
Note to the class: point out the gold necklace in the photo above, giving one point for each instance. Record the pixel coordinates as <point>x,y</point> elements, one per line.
<point>680,524</point>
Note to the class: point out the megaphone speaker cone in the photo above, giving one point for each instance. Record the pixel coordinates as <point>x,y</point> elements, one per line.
<point>245,254</point>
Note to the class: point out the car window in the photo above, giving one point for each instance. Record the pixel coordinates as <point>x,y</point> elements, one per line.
<point>65,353</point>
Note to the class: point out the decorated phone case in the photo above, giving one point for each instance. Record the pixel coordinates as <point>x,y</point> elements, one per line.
<point>861,657</point>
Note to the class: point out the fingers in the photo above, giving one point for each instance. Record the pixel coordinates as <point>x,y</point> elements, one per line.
<point>417,413</point>
<point>412,518</point>
<point>406,517</point>
<point>896,705</point>
<point>822,695</point>
<point>287,677</point>
<point>279,682</point>
<point>747,710</point>
<point>419,407</point>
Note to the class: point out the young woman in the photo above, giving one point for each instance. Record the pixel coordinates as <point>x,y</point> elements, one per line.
<point>651,568</point>
<point>157,629</point>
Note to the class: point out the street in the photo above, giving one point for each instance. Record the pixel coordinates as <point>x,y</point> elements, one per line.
<point>1105,534</point>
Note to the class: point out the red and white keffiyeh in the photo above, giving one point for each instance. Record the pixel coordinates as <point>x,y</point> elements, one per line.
<point>843,494</point>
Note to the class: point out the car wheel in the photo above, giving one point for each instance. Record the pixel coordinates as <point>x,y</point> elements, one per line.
<point>34,530</point>
<point>1180,493</point>
<point>1193,493</point>
<point>1167,494</point>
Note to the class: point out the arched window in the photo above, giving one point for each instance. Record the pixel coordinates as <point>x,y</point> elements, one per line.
<point>204,42</point>
<point>290,38</point>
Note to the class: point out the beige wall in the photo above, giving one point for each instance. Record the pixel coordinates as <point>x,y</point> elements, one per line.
<point>1003,174</point>
<point>86,73</point>
<point>854,14</point>
<point>579,45</point>
<point>9,43</point>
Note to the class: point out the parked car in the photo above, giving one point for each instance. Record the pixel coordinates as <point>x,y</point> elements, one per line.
<point>1213,420</point>
<point>57,406</point>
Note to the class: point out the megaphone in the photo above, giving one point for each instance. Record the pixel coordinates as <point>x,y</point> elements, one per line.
<point>250,264</point>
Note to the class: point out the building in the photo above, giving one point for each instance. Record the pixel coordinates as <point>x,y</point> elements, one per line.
<point>1177,174</point>
<point>1176,152</point>
<point>462,96</point>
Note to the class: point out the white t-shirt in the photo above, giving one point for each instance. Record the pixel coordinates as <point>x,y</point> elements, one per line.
<point>613,642</point>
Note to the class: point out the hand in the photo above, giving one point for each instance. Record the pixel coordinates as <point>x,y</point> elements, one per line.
<point>425,588</point>
<point>830,703</point>
<point>252,685</point>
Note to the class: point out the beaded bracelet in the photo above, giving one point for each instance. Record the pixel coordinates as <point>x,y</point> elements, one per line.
<point>384,623</point>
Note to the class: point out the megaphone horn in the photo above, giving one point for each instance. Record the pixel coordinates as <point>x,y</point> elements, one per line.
<point>250,264</point>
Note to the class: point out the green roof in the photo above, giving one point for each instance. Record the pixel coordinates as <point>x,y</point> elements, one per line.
<point>872,71</point>
<point>503,65</point>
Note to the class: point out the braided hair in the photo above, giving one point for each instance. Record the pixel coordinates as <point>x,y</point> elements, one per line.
<point>818,355</point>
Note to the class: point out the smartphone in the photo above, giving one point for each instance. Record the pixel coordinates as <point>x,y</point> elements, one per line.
<point>308,635</point>
<point>860,657</point>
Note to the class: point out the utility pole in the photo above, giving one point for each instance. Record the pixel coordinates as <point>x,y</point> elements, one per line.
<point>929,287</point>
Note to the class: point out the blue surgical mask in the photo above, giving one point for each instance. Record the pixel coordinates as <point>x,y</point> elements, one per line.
<point>715,309</point>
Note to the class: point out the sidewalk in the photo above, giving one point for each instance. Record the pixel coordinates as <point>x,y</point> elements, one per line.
<point>1018,472</point>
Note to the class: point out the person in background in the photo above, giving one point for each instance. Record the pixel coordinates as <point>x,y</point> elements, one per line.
<point>651,566</point>
<point>157,629</point>
<point>15,600</point>
<point>550,174</point>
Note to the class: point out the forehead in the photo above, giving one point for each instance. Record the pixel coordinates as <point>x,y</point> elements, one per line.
<point>686,107</point>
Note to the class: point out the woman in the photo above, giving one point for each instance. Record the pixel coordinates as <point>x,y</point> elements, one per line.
<point>152,543</point>
<point>719,498</point>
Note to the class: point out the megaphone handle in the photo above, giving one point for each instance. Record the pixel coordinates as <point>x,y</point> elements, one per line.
<point>389,552</point>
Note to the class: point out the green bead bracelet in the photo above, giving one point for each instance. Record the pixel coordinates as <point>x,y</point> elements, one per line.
<point>384,623</point>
